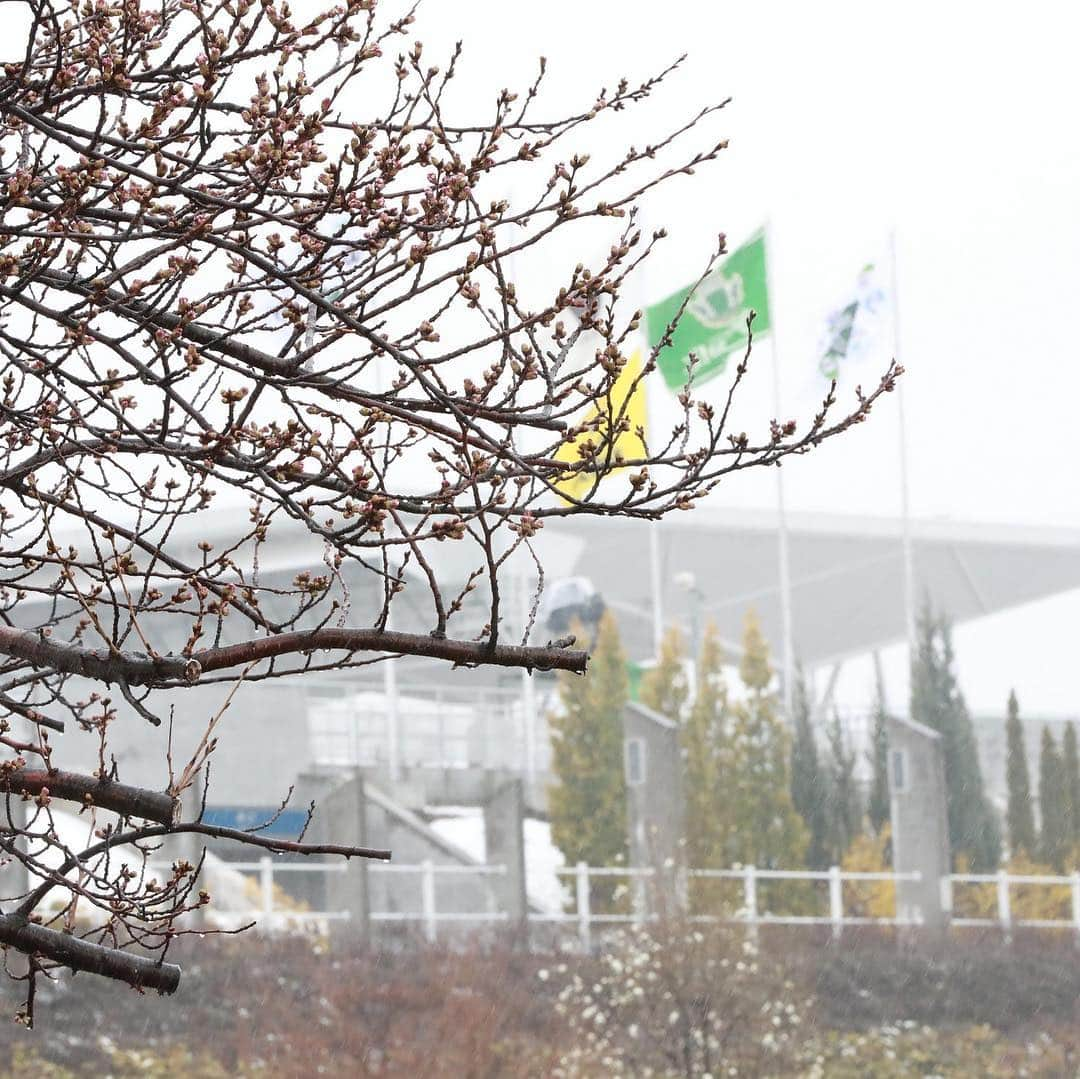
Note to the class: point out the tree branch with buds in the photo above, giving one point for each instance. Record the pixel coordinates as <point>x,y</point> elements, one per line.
<point>260,285</point>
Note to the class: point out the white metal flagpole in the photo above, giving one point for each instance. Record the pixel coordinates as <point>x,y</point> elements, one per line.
<point>528,684</point>
<point>656,561</point>
<point>905,514</point>
<point>656,575</point>
<point>783,544</point>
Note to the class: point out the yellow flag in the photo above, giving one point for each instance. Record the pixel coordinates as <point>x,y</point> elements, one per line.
<point>624,400</point>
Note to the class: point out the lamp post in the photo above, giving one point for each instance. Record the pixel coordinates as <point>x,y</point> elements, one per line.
<point>687,581</point>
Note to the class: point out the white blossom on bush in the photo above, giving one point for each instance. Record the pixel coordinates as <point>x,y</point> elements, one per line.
<point>669,1000</point>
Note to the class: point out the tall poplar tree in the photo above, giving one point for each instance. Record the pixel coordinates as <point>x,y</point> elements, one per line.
<point>1072,785</point>
<point>587,803</point>
<point>1054,812</point>
<point>664,688</point>
<point>704,736</point>
<point>1020,815</point>
<point>765,828</point>
<point>878,807</point>
<point>844,804</point>
<point>936,701</point>
<point>809,781</point>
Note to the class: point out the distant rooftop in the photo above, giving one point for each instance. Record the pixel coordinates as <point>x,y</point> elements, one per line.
<point>847,572</point>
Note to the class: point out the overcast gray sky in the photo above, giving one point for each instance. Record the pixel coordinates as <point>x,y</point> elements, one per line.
<point>952,123</point>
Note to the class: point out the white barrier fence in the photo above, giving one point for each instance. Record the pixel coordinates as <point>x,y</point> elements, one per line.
<point>428,916</point>
<point>269,915</point>
<point>1004,883</point>
<point>749,914</point>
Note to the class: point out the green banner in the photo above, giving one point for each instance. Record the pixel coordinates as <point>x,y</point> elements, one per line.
<point>713,326</point>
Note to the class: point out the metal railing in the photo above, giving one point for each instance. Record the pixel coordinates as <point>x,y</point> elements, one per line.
<point>1004,883</point>
<point>748,914</point>
<point>268,915</point>
<point>427,726</point>
<point>834,876</point>
<point>585,919</point>
<point>429,916</point>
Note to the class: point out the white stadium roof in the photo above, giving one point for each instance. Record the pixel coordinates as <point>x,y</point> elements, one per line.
<point>846,572</point>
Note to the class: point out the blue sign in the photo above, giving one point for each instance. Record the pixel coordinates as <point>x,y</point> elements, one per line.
<point>287,825</point>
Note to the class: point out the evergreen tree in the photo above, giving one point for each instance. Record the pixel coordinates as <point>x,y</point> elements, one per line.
<point>1021,814</point>
<point>587,804</point>
<point>663,687</point>
<point>704,737</point>
<point>937,702</point>
<point>809,792</point>
<point>878,807</point>
<point>844,808</point>
<point>1072,785</point>
<point>1054,812</point>
<point>765,830</point>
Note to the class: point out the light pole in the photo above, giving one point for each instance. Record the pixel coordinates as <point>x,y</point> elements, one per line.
<point>688,582</point>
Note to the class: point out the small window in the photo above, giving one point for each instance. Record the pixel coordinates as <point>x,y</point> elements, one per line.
<point>898,771</point>
<point>635,762</point>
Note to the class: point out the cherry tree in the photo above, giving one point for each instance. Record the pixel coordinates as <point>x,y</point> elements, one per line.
<point>257,267</point>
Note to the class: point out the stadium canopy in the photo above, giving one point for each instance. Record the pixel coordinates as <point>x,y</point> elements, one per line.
<point>847,593</point>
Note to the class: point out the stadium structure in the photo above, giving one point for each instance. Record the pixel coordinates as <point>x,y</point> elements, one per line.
<point>427,742</point>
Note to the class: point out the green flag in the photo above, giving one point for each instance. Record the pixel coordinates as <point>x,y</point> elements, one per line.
<point>713,326</point>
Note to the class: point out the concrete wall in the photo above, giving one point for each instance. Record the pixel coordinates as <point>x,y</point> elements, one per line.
<point>421,787</point>
<point>655,803</point>
<point>262,738</point>
<point>920,822</point>
<point>356,812</point>
<point>342,817</point>
<point>263,743</point>
<point>504,844</point>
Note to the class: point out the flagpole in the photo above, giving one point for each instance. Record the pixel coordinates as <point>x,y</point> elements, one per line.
<point>525,594</point>
<point>656,579</point>
<point>905,515</point>
<point>782,537</point>
<point>656,562</point>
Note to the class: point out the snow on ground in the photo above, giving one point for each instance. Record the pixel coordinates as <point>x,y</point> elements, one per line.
<point>461,825</point>
<point>464,827</point>
<point>230,889</point>
<point>542,859</point>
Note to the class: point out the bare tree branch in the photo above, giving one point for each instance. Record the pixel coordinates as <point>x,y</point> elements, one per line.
<point>264,303</point>
<point>141,670</point>
<point>67,950</point>
<point>90,791</point>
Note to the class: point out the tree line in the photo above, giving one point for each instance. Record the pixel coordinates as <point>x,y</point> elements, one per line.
<point>763,791</point>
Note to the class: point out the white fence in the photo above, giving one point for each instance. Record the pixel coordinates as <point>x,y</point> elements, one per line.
<point>427,915</point>
<point>749,914</point>
<point>269,915</point>
<point>1004,883</point>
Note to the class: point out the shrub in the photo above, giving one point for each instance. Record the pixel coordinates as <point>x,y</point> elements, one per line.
<point>669,1000</point>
